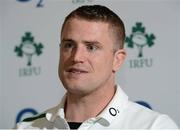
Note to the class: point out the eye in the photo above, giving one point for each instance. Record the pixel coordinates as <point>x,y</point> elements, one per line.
<point>92,47</point>
<point>68,45</point>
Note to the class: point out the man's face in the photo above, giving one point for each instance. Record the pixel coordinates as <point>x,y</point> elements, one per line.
<point>86,56</point>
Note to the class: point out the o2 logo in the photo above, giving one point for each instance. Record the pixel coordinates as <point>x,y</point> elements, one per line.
<point>39,3</point>
<point>24,112</point>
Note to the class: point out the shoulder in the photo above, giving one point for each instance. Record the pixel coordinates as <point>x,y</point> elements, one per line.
<point>140,110</point>
<point>38,121</point>
<point>147,118</point>
<point>32,122</point>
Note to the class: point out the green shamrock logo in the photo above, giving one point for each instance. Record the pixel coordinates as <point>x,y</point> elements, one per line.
<point>140,38</point>
<point>28,48</point>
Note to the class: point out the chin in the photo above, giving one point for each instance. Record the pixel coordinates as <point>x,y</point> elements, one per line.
<point>76,90</point>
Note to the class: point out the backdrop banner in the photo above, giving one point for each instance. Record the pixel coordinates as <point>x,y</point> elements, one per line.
<point>29,54</point>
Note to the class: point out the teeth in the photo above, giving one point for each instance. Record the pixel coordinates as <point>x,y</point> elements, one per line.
<point>75,71</point>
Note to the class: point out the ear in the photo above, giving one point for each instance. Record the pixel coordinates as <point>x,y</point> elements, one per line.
<point>119,58</point>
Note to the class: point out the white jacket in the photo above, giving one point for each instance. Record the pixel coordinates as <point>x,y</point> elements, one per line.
<point>119,114</point>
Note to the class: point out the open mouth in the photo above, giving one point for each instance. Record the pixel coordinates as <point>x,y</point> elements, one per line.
<point>76,71</point>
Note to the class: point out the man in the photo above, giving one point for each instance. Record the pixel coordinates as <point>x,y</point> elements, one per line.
<point>91,52</point>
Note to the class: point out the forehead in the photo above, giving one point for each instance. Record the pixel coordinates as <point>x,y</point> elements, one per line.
<point>79,24</point>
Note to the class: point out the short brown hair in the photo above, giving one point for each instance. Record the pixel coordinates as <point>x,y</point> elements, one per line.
<point>102,14</point>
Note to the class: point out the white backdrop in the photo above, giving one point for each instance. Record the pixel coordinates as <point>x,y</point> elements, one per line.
<point>1,123</point>
<point>152,78</point>
<point>0,66</point>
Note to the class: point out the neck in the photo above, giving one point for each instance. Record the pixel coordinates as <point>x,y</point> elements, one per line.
<point>81,108</point>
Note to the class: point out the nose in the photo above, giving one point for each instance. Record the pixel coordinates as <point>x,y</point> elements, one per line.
<point>78,55</point>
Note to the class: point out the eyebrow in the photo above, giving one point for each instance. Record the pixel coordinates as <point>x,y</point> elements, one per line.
<point>92,42</point>
<point>84,41</point>
<point>67,40</point>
